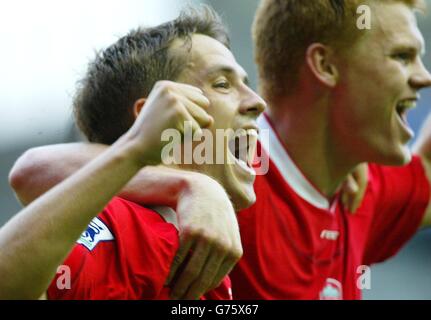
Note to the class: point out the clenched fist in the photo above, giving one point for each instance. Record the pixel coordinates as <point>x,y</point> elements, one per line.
<point>168,106</point>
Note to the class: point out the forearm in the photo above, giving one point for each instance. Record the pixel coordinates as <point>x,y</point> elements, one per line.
<point>57,224</point>
<point>205,212</point>
<point>40,169</point>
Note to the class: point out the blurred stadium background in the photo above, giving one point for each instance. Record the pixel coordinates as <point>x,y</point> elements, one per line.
<point>45,47</point>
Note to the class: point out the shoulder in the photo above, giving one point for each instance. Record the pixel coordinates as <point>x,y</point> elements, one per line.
<point>120,213</point>
<point>411,175</point>
<point>121,208</point>
<point>414,166</point>
<point>123,221</point>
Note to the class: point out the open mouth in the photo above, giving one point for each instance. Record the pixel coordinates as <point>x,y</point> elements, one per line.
<point>403,107</point>
<point>243,147</point>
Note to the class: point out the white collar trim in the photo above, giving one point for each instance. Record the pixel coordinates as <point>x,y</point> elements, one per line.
<point>290,172</point>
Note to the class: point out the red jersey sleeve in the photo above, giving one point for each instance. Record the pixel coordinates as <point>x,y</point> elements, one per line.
<point>401,195</point>
<point>125,253</point>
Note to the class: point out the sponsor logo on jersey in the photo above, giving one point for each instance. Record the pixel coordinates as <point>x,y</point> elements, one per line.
<point>329,235</point>
<point>332,290</point>
<point>96,231</point>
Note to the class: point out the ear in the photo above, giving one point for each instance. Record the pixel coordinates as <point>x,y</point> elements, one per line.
<point>137,107</point>
<point>320,60</point>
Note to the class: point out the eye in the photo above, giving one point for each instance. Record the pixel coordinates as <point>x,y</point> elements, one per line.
<point>223,84</point>
<point>404,57</point>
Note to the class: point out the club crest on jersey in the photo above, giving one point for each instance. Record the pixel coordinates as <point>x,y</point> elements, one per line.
<point>96,231</point>
<point>332,290</point>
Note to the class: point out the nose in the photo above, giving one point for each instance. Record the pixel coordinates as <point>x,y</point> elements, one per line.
<point>421,78</point>
<point>252,103</point>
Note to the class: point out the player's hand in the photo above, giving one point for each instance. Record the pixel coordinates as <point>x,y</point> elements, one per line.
<point>168,106</point>
<point>210,243</point>
<point>354,187</point>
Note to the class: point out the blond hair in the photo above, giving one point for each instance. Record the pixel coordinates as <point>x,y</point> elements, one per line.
<point>283,30</point>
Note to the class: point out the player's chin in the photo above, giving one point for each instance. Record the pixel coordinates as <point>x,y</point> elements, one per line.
<point>399,155</point>
<point>405,156</point>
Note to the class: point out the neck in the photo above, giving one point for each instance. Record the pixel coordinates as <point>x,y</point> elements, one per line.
<point>304,128</point>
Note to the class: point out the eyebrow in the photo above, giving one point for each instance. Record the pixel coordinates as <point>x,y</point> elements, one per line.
<point>419,48</point>
<point>227,70</point>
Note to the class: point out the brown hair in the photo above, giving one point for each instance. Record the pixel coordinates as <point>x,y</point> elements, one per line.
<point>283,30</point>
<point>128,70</point>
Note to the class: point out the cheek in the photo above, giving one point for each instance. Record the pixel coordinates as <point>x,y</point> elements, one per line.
<point>354,114</point>
<point>384,75</point>
<point>368,99</point>
<point>222,113</point>
<point>372,68</point>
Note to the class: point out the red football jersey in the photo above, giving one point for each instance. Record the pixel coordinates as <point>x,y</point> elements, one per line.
<point>299,246</point>
<point>125,253</point>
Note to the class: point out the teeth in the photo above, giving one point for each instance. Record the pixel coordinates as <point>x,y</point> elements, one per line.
<point>252,144</point>
<point>407,104</point>
<point>247,141</point>
<point>411,104</point>
<point>248,132</point>
<point>244,165</point>
<point>252,132</point>
<point>240,133</point>
<point>243,147</point>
